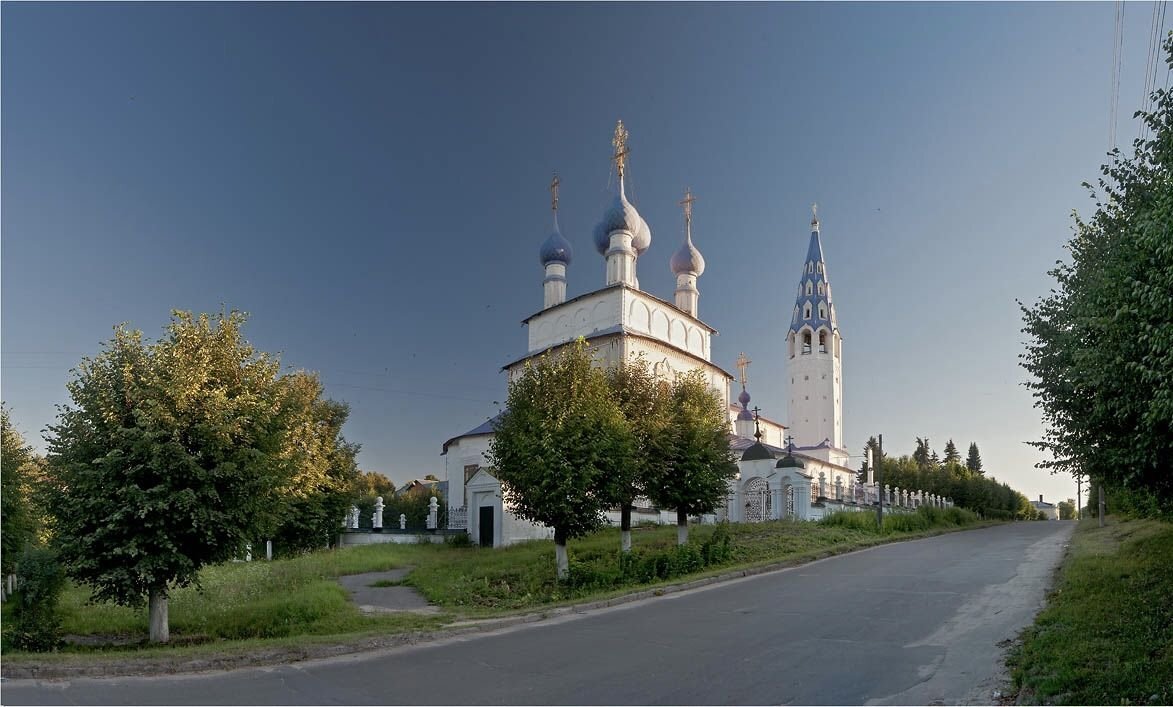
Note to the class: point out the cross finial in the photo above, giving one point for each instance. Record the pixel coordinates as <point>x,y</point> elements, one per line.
<point>790,444</point>
<point>815,216</point>
<point>619,142</point>
<point>554,192</point>
<point>743,368</point>
<point>686,202</point>
<point>756,425</point>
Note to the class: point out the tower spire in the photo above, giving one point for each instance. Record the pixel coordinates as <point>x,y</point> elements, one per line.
<point>815,217</point>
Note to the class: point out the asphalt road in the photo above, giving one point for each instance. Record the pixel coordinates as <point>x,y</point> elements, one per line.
<point>923,622</point>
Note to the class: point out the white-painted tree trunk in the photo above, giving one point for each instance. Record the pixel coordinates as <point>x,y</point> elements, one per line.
<point>563,561</point>
<point>627,541</point>
<point>157,607</point>
<point>681,528</point>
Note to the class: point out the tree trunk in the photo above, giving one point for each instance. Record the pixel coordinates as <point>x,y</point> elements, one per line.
<point>560,554</point>
<point>160,629</point>
<point>1101,505</point>
<point>625,526</point>
<point>681,527</point>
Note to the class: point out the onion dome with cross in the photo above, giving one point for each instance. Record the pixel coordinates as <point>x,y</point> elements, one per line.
<point>621,215</point>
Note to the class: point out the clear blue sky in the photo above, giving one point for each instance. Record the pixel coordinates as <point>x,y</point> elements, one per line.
<point>369,182</point>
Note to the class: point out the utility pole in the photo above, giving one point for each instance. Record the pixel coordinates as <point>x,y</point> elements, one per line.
<point>880,481</point>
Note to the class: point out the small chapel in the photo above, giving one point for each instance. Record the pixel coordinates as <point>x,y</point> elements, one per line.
<point>784,468</point>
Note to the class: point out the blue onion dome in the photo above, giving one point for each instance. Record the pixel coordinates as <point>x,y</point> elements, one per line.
<point>688,259</point>
<point>556,249</point>
<point>744,399</point>
<point>622,216</point>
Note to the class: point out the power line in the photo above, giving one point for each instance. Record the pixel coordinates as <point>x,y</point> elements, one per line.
<point>1117,62</point>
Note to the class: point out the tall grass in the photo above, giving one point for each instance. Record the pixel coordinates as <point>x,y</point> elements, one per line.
<point>925,518</point>
<point>1106,634</point>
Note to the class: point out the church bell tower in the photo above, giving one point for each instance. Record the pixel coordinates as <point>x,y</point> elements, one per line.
<point>814,361</point>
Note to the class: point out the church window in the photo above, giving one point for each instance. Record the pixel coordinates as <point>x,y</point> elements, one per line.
<point>819,267</point>
<point>821,289</point>
<point>806,342</point>
<point>822,312</point>
<point>822,342</point>
<point>806,378</point>
<point>806,311</point>
<point>808,288</point>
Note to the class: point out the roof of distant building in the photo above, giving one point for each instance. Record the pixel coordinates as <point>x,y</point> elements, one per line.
<point>485,428</point>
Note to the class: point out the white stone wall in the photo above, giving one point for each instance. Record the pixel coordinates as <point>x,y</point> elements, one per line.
<point>465,451</point>
<point>581,317</point>
<point>647,315</point>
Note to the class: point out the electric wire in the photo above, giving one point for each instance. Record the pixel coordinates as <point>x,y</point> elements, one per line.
<point>1114,94</point>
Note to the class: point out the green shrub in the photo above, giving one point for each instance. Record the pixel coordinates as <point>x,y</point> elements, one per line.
<point>38,623</point>
<point>458,540</point>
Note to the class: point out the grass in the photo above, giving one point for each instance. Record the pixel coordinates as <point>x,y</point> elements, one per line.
<point>263,604</point>
<point>1106,635</point>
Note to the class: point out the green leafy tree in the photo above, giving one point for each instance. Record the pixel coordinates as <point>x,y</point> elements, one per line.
<point>1101,344</point>
<point>700,463</point>
<point>17,516</point>
<point>974,461</point>
<point>325,475</point>
<point>372,484</point>
<point>168,459</point>
<point>647,406</point>
<point>1067,509</point>
<point>561,437</point>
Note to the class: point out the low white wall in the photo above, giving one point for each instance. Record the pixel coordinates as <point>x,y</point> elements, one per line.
<point>349,539</point>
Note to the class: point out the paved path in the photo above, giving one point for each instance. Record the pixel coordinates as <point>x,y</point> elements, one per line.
<point>911,623</point>
<point>374,599</point>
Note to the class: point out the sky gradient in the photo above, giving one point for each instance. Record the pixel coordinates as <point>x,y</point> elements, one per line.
<point>369,182</point>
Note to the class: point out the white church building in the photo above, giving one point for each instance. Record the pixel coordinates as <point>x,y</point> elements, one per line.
<point>799,469</point>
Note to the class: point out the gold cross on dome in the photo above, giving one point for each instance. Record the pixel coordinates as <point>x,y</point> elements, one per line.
<point>554,192</point>
<point>743,368</point>
<point>687,204</point>
<point>619,142</point>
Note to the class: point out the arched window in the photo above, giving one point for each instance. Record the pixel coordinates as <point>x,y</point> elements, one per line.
<point>819,267</point>
<point>808,288</point>
<point>806,311</point>
<point>821,289</point>
<point>822,342</point>
<point>822,311</point>
<point>806,342</point>
<point>810,267</point>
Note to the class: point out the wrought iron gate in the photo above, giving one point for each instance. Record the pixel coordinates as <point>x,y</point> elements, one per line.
<point>757,501</point>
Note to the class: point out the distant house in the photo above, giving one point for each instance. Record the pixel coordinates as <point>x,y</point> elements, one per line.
<point>1049,509</point>
<point>424,487</point>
